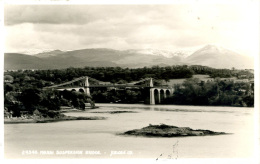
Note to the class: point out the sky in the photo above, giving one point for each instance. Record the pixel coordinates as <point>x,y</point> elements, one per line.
<point>36,28</point>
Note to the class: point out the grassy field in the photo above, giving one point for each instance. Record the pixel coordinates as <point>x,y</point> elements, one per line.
<point>180,81</point>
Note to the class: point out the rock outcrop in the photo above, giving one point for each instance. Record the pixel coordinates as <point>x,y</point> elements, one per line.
<point>170,131</point>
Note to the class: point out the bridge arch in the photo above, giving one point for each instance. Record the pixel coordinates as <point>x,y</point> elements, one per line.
<point>156,96</point>
<point>161,95</point>
<point>81,90</point>
<point>167,93</point>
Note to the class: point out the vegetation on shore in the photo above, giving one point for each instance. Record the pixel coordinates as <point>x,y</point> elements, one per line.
<point>214,93</point>
<point>46,102</point>
<point>191,92</point>
<point>43,78</point>
<point>23,93</point>
<point>46,120</point>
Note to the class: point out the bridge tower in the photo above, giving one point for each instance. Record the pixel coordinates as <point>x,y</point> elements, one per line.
<point>86,86</point>
<point>151,82</point>
<point>152,99</point>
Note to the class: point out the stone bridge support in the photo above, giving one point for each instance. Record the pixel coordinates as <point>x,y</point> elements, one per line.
<point>86,87</point>
<point>152,99</point>
<point>159,94</point>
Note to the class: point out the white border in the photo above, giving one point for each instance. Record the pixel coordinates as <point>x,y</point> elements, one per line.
<point>254,159</point>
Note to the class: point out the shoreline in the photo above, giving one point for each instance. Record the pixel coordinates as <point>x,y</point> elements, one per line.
<point>181,105</point>
<point>48,120</point>
<point>63,117</point>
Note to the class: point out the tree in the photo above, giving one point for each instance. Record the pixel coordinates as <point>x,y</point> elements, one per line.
<point>8,88</point>
<point>50,100</point>
<point>8,78</point>
<point>249,100</point>
<point>31,98</point>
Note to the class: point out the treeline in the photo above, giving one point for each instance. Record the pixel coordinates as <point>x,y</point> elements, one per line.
<point>221,73</point>
<point>119,96</point>
<point>191,92</point>
<point>23,89</point>
<point>42,78</point>
<point>47,102</point>
<point>110,74</point>
<point>224,93</point>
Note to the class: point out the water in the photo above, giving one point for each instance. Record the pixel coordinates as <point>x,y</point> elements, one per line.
<point>100,136</point>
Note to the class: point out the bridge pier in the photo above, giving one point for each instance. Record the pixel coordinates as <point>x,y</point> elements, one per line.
<point>159,96</point>
<point>162,94</point>
<point>152,99</point>
<point>86,87</point>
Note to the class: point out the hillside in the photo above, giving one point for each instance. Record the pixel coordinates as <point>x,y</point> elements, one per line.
<point>218,57</point>
<point>49,53</point>
<point>209,55</point>
<point>14,61</point>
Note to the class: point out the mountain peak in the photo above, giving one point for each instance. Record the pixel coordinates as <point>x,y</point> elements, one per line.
<point>214,49</point>
<point>50,51</point>
<point>210,47</point>
<point>46,54</point>
<point>219,57</point>
<point>56,51</point>
<point>209,55</point>
<point>159,52</point>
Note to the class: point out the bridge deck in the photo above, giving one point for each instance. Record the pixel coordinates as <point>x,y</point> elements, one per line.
<point>112,86</point>
<point>101,84</point>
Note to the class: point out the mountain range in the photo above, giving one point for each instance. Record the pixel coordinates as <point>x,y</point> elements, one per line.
<point>210,55</point>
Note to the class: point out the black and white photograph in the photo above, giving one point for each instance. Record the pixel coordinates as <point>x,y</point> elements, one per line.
<point>161,82</point>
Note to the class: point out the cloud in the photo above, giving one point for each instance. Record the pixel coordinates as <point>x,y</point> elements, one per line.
<point>70,27</point>
<point>45,14</point>
<point>69,14</point>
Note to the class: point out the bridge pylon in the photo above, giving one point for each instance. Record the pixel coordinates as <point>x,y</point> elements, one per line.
<point>151,82</point>
<point>86,86</point>
<point>152,99</point>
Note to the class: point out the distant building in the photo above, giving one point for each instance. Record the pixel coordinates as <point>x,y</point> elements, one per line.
<point>228,79</point>
<point>241,81</point>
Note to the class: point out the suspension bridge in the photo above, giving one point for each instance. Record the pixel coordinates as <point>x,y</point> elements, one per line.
<point>83,84</point>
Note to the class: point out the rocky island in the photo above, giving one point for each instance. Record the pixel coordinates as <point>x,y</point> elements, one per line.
<point>169,131</point>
